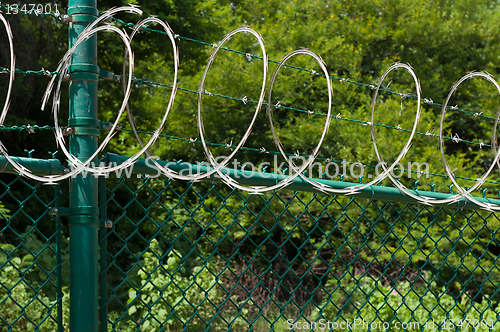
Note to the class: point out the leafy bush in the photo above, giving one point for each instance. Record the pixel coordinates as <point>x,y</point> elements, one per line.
<point>166,298</point>
<point>364,298</point>
<point>24,304</point>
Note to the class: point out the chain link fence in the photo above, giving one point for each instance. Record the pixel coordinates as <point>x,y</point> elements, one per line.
<point>199,257</point>
<point>31,250</point>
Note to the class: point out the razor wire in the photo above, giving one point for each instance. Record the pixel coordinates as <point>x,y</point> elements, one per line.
<point>79,166</point>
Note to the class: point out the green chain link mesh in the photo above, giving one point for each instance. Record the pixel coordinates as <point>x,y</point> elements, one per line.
<point>30,257</point>
<point>203,257</point>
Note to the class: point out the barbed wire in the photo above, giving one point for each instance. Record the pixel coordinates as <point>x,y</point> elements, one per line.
<point>29,128</point>
<point>272,152</point>
<point>309,112</point>
<point>44,72</point>
<point>179,37</point>
<point>41,72</point>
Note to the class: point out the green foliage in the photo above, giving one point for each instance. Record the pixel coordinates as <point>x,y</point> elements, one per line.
<point>24,304</point>
<point>163,287</point>
<point>364,297</point>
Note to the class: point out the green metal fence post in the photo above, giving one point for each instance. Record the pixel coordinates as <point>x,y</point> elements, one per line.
<point>83,191</point>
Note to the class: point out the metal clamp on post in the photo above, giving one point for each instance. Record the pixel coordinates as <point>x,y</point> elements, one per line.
<point>82,13</point>
<point>83,127</point>
<point>84,211</point>
<point>72,211</point>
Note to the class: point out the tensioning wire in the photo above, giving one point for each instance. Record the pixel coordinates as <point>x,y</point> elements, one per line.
<point>371,86</point>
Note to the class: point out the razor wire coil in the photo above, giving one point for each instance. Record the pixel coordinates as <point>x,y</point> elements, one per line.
<point>78,166</point>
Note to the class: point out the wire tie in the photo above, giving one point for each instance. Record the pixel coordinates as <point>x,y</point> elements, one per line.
<point>29,152</point>
<point>249,57</point>
<point>176,36</point>
<point>368,124</point>
<point>338,117</point>
<point>310,112</point>
<point>429,134</point>
<point>373,87</point>
<point>30,129</point>
<point>313,72</point>
<point>278,105</point>
<point>208,93</point>
<point>263,150</point>
<point>245,100</point>
<point>428,101</point>
<point>297,154</point>
<point>453,173</point>
<point>477,114</point>
<point>344,80</point>
<point>228,145</point>
<point>454,107</point>
<point>481,145</point>
<point>46,72</point>
<point>214,45</point>
<point>399,128</point>
<point>456,138</point>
